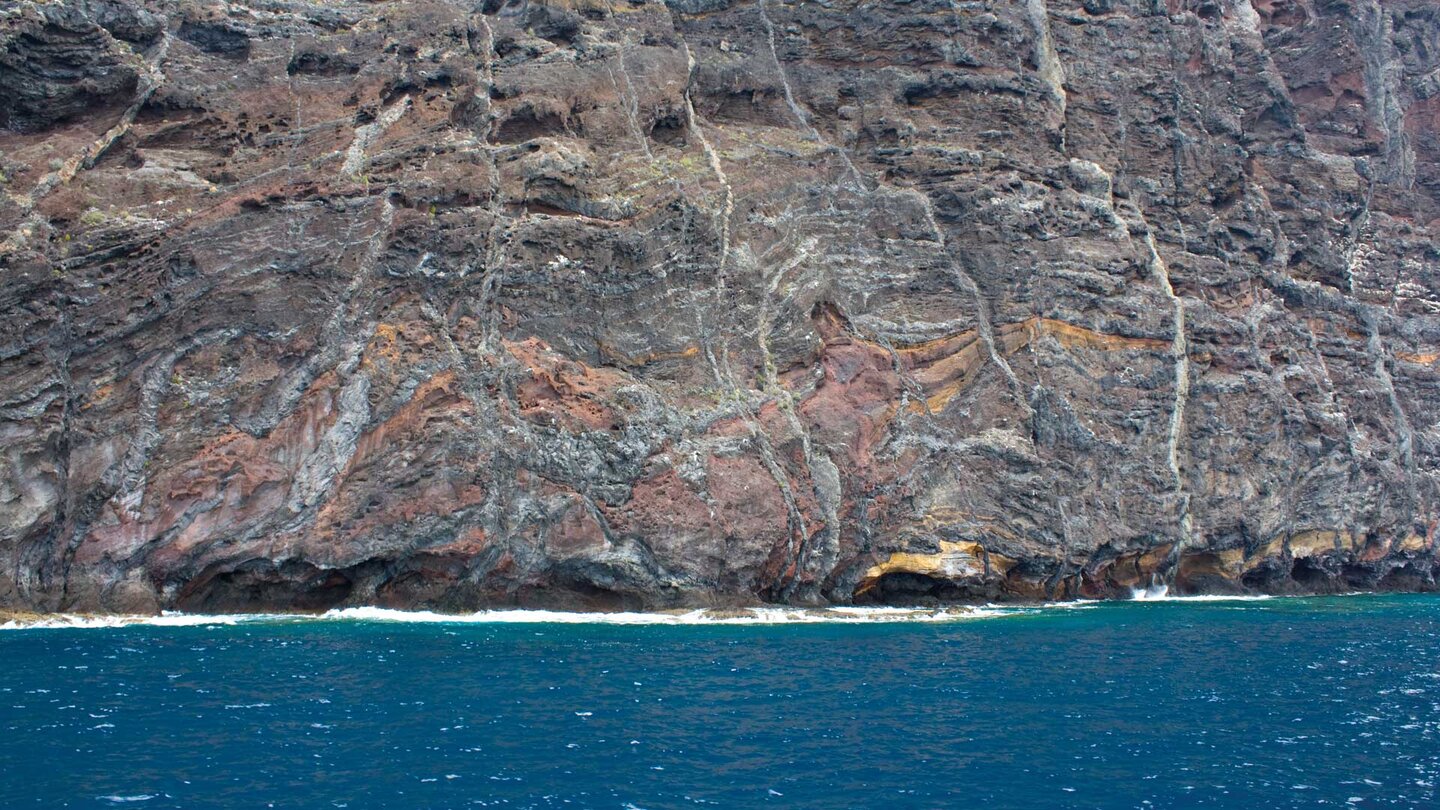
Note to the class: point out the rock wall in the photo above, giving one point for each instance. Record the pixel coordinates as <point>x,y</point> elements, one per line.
<point>584,303</point>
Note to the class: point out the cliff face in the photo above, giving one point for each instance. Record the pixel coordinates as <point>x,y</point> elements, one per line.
<point>591,303</point>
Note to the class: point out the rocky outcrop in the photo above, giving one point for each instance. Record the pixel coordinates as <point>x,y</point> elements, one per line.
<point>638,304</point>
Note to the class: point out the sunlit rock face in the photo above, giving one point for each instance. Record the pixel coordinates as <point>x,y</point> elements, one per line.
<point>642,304</point>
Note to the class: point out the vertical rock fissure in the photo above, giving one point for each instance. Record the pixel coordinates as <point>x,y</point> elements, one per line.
<point>1354,251</point>
<point>631,101</point>
<point>1404,432</point>
<point>1063,569</point>
<point>1180,352</point>
<point>982,310</point>
<point>1179,342</point>
<point>497,238</point>
<point>1047,63</point>
<point>1383,73</point>
<point>497,516</point>
<point>367,134</point>
<point>794,106</point>
<point>495,420</point>
<point>1179,346</point>
<point>826,491</point>
<point>797,530</point>
<point>727,208</point>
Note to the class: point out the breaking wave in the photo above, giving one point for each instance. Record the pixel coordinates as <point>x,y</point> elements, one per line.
<point>1146,596</point>
<point>704,616</point>
<point>765,615</point>
<point>80,621</point>
<point>1160,592</point>
<point>701,616</point>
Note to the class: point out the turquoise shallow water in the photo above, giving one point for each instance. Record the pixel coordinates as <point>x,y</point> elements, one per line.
<point>1329,702</point>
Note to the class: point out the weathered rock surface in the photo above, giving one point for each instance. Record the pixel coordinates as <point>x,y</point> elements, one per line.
<point>642,303</point>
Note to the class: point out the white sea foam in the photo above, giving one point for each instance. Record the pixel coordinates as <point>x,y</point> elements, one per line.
<point>728,616</point>
<point>1220,597</point>
<point>765,615</point>
<point>1150,593</point>
<point>1161,593</point>
<point>83,621</point>
<point>738,616</point>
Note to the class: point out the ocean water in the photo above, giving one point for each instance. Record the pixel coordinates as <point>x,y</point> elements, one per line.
<point>1323,702</point>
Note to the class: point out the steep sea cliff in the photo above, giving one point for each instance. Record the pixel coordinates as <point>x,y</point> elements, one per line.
<point>634,304</point>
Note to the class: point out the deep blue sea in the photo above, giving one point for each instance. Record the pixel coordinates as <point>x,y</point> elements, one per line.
<point>1325,702</point>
